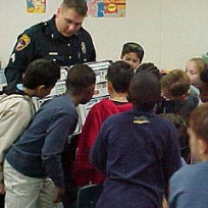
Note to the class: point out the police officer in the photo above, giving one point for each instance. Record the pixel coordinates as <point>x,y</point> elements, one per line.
<point>61,39</point>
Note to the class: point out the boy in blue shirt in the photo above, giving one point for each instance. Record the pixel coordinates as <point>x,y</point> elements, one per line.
<point>188,186</point>
<point>39,149</point>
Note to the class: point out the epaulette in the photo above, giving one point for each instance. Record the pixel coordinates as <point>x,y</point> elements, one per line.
<point>36,28</point>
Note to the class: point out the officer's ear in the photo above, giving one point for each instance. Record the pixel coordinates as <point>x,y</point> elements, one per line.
<point>58,12</point>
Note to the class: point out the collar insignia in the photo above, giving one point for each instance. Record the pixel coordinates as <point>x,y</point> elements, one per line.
<point>83,47</point>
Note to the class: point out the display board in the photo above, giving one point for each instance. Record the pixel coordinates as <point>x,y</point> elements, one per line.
<point>101,92</point>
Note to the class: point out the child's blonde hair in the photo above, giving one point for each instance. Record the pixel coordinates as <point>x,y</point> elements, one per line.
<point>200,64</point>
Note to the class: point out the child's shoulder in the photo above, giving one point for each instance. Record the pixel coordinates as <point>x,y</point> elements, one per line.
<point>194,90</point>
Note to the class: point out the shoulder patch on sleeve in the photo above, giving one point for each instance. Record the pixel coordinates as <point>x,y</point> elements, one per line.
<point>23,42</point>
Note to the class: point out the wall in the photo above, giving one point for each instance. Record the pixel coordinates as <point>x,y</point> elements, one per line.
<point>171,31</point>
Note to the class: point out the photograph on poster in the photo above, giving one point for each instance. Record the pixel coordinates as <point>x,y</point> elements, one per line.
<point>106,8</point>
<point>36,6</point>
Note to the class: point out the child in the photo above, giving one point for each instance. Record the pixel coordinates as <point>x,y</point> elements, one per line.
<point>40,148</point>
<point>178,96</point>
<point>193,68</point>
<point>133,54</point>
<point>203,88</point>
<point>188,186</point>
<point>17,108</point>
<point>151,68</point>
<point>181,126</point>
<point>137,150</point>
<point>118,76</point>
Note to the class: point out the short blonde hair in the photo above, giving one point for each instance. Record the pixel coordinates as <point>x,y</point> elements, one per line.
<point>79,6</point>
<point>200,64</point>
<point>176,83</point>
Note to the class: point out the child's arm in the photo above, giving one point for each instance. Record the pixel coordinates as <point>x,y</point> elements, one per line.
<point>62,125</point>
<point>98,154</point>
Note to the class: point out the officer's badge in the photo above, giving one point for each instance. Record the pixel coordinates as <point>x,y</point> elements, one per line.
<point>141,120</point>
<point>23,42</point>
<point>83,48</point>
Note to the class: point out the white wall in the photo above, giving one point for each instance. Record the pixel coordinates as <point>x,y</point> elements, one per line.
<point>171,31</point>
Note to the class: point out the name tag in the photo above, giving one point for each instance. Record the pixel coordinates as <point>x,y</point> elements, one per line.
<point>53,53</point>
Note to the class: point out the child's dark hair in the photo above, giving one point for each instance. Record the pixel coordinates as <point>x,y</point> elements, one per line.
<point>132,47</point>
<point>80,76</point>
<point>181,126</point>
<point>204,75</point>
<point>41,72</point>
<point>151,68</point>
<point>119,74</point>
<point>144,90</point>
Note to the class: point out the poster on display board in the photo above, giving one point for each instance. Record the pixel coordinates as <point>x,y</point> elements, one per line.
<point>36,6</point>
<point>106,8</point>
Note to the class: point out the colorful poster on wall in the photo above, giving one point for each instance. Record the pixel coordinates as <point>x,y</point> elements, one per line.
<point>106,8</point>
<point>36,6</point>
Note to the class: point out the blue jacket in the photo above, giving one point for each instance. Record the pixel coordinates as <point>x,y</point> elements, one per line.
<point>37,152</point>
<point>138,151</point>
<point>189,187</point>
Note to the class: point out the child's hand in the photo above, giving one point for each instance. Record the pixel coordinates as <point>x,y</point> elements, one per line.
<point>58,193</point>
<point>2,188</point>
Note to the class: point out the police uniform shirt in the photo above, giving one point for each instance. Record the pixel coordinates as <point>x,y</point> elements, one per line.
<point>44,41</point>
